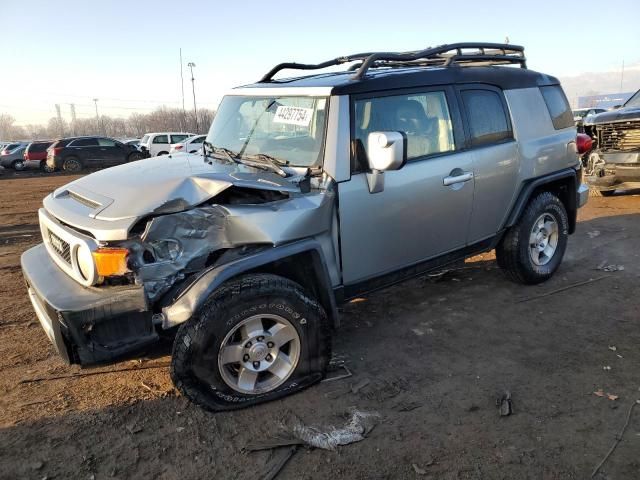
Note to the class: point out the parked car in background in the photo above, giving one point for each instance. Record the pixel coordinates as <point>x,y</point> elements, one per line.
<point>76,153</point>
<point>35,155</point>
<point>11,155</point>
<point>614,163</point>
<point>160,143</point>
<point>580,114</point>
<point>190,145</point>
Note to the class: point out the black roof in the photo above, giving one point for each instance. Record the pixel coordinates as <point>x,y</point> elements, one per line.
<point>470,62</point>
<point>343,83</point>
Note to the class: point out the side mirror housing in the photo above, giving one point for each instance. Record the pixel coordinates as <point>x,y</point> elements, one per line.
<point>386,151</point>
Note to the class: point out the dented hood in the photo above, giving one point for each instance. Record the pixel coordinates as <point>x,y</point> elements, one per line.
<point>619,115</point>
<point>118,196</point>
<point>164,184</point>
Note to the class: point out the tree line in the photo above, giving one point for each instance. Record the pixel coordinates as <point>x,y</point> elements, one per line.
<point>162,119</point>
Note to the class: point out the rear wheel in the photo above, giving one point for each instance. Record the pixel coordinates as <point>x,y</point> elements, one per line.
<point>257,338</point>
<point>18,165</point>
<point>46,168</point>
<point>134,156</point>
<point>532,249</point>
<point>71,164</point>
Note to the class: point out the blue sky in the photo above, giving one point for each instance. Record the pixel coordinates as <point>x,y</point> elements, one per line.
<point>126,53</point>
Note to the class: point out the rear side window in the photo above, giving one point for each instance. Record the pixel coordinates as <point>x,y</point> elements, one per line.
<point>12,146</point>
<point>488,122</point>
<point>84,142</point>
<point>161,139</point>
<point>106,142</point>
<point>558,106</point>
<point>198,139</point>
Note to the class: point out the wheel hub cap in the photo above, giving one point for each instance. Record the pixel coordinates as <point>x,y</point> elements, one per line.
<point>259,354</point>
<point>543,240</point>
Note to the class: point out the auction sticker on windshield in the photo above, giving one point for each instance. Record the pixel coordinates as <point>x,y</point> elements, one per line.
<point>293,115</point>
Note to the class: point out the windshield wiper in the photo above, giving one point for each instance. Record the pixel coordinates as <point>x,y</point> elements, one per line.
<point>269,161</point>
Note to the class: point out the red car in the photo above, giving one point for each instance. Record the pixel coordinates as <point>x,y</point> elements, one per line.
<point>35,156</point>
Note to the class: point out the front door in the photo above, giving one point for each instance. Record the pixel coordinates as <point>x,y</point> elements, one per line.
<point>425,207</point>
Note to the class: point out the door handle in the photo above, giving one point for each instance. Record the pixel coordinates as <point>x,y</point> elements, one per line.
<point>464,177</point>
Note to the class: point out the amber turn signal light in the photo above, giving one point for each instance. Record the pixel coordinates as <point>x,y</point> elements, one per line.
<point>111,261</point>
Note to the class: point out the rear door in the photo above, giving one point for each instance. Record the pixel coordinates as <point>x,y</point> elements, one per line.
<point>87,150</point>
<point>496,160</point>
<point>421,213</point>
<point>111,152</point>
<point>159,145</point>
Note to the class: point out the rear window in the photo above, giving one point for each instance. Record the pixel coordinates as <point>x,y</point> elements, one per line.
<point>488,121</point>
<point>558,106</point>
<point>38,147</point>
<point>178,138</point>
<point>161,139</point>
<point>84,142</point>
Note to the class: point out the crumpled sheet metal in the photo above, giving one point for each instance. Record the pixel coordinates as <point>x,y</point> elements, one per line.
<point>356,430</point>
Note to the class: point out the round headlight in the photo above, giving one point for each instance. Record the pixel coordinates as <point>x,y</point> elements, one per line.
<point>85,262</point>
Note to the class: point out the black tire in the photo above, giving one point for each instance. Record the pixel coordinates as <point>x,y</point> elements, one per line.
<point>162,153</point>
<point>607,193</point>
<point>18,165</point>
<point>72,164</point>
<point>45,168</point>
<point>513,254</point>
<point>134,157</point>
<point>194,363</point>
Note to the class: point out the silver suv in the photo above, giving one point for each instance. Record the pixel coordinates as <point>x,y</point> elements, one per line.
<point>310,191</point>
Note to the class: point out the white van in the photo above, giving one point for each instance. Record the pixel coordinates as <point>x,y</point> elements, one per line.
<point>160,143</point>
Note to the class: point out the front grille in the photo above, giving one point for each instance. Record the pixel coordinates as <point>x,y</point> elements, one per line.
<point>619,137</point>
<point>60,246</point>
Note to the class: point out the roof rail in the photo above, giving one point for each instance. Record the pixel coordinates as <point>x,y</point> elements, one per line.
<point>467,53</point>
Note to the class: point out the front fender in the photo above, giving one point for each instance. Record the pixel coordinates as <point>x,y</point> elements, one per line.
<point>193,297</point>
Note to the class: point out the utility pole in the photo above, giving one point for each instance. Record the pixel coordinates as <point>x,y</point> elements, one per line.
<point>184,112</point>
<point>59,120</point>
<point>72,106</point>
<point>621,76</point>
<point>193,87</point>
<point>95,100</point>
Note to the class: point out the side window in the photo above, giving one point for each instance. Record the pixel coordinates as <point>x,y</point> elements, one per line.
<point>423,118</point>
<point>487,118</point>
<point>558,106</point>
<point>198,140</point>
<point>84,142</point>
<point>161,139</point>
<point>106,142</point>
<point>178,138</point>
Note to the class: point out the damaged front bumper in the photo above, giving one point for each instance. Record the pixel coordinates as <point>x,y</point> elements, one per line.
<point>616,171</point>
<point>86,325</point>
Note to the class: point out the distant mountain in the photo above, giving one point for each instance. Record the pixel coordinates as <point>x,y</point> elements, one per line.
<point>597,83</point>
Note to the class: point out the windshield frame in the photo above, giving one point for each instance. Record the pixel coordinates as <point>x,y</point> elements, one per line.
<point>634,98</point>
<point>290,162</point>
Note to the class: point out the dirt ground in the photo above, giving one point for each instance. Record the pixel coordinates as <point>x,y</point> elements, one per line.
<point>436,353</point>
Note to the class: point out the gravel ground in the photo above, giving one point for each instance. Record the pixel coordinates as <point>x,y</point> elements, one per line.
<point>431,356</point>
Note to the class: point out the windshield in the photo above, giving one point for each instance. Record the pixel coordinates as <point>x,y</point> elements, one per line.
<point>288,129</point>
<point>634,101</point>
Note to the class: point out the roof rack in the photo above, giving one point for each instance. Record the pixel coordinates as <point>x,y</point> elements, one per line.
<point>468,53</point>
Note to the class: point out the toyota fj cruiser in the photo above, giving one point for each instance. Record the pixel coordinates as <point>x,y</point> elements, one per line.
<point>310,191</point>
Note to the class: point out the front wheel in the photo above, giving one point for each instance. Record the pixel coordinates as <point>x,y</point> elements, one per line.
<point>134,157</point>
<point>256,339</point>
<point>532,249</point>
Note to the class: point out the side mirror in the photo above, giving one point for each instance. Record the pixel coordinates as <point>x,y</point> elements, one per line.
<point>615,107</point>
<point>386,151</point>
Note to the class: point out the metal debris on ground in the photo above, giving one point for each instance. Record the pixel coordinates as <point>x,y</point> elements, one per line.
<point>328,438</point>
<point>355,388</point>
<point>601,393</point>
<point>418,470</point>
<point>505,404</point>
<point>604,267</point>
<point>553,292</point>
<point>594,233</point>
<point>279,463</point>
<point>617,440</point>
<point>338,372</point>
<point>613,348</point>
